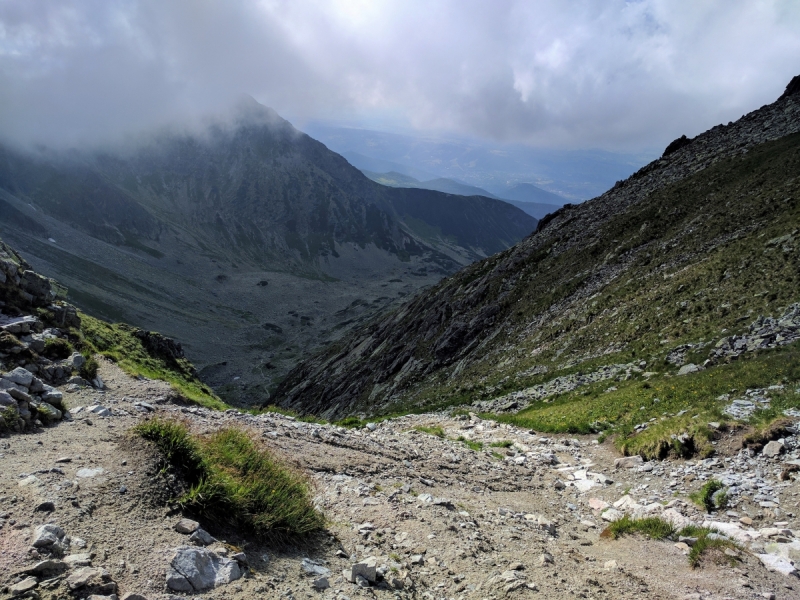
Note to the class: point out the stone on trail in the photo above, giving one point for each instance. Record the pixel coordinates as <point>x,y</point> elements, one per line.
<point>23,587</point>
<point>321,583</point>
<point>46,535</point>
<point>611,515</point>
<point>194,569</point>
<point>91,577</point>
<point>366,568</point>
<point>202,538</point>
<point>628,462</point>
<point>47,568</point>
<point>187,526</point>
<point>312,567</point>
<point>133,596</point>
<point>598,504</point>
<point>777,564</point>
<point>773,449</point>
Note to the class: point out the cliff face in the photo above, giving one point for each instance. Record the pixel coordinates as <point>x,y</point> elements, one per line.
<point>668,254</point>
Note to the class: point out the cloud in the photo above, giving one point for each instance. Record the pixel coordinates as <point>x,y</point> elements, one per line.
<point>579,74</point>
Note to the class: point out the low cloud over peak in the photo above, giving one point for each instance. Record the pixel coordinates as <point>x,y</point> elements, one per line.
<point>584,74</point>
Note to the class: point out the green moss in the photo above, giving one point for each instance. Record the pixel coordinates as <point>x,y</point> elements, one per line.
<point>472,445</point>
<point>502,444</point>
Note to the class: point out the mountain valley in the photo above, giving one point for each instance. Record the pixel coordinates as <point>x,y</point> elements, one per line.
<point>250,242</point>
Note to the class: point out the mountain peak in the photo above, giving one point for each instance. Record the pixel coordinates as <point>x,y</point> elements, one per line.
<point>793,87</point>
<point>248,110</point>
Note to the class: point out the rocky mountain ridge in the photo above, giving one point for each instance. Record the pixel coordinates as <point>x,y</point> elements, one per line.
<point>544,300</point>
<point>252,243</point>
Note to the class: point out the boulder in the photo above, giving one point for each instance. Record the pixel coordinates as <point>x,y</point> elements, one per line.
<point>773,449</point>
<point>92,578</point>
<point>628,462</point>
<point>19,376</point>
<point>195,569</point>
<point>46,535</point>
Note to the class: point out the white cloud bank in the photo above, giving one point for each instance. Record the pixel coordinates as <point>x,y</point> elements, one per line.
<point>569,73</point>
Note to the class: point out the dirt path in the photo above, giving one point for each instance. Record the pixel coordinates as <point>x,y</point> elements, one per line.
<point>441,519</point>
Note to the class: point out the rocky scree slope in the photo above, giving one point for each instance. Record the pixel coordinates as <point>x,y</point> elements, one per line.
<point>686,248</point>
<point>251,242</point>
<point>480,509</point>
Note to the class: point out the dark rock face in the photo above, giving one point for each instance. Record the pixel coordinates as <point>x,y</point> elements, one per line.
<point>474,312</point>
<point>160,346</point>
<point>676,145</point>
<point>793,87</point>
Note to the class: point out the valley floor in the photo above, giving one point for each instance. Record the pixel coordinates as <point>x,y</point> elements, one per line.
<point>503,512</point>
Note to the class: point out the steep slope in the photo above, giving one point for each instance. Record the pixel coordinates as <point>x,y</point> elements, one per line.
<point>685,249</point>
<point>250,241</point>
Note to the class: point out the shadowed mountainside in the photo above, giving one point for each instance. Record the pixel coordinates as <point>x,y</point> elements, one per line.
<point>251,242</point>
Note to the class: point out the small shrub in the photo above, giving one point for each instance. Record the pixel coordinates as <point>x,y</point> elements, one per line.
<point>705,496</point>
<point>89,369</point>
<point>57,348</point>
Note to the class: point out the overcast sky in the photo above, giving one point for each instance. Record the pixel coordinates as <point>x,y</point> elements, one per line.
<point>577,74</point>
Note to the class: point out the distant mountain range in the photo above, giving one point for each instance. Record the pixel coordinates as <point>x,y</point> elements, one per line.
<point>249,241</point>
<point>524,196</point>
<point>573,174</point>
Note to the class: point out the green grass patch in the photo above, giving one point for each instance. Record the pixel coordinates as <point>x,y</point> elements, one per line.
<point>502,444</point>
<point>433,430</point>
<point>233,480</point>
<point>118,342</point>
<point>653,527</point>
<point>659,402</point>
<point>658,529</point>
<point>704,497</point>
<point>351,423</point>
<point>476,446</point>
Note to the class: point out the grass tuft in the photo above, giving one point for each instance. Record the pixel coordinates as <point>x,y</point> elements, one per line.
<point>653,527</point>
<point>476,446</point>
<point>57,348</point>
<point>434,430</point>
<point>502,444</point>
<point>233,480</point>
<point>704,497</point>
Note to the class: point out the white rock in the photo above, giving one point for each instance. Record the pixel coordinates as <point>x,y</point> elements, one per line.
<point>193,569</point>
<point>777,564</point>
